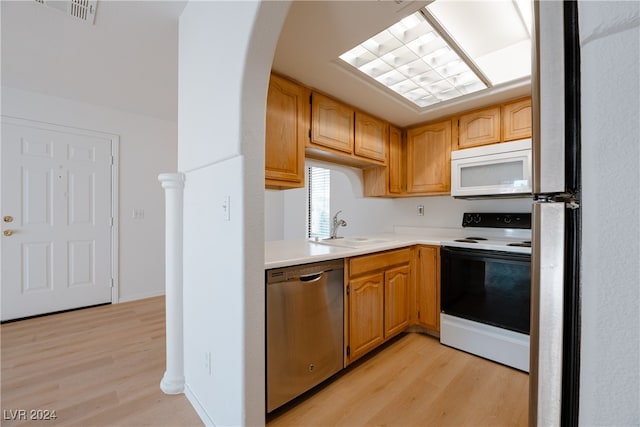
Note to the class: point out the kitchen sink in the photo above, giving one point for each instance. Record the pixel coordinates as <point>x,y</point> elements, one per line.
<point>351,242</point>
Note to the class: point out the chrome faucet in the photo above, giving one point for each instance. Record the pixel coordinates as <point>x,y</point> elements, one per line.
<point>336,223</point>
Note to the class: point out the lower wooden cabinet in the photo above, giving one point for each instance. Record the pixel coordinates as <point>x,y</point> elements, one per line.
<point>366,321</point>
<point>397,294</point>
<point>427,296</point>
<point>378,299</point>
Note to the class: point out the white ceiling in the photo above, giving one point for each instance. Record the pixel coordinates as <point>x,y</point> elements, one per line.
<point>128,59</point>
<point>316,33</point>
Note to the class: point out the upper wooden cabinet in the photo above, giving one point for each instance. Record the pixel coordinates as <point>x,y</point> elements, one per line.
<point>389,180</point>
<point>341,134</point>
<point>429,159</point>
<point>516,120</point>
<point>479,127</point>
<point>332,124</point>
<point>286,132</point>
<point>499,123</point>
<point>371,136</point>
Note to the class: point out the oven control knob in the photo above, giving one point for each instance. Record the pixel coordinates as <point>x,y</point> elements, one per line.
<point>507,219</point>
<point>477,219</point>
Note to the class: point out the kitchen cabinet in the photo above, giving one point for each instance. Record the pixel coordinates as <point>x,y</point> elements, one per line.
<point>480,127</point>
<point>428,151</point>
<point>366,321</point>
<point>371,136</point>
<point>397,297</point>
<point>389,180</point>
<point>341,134</point>
<point>378,299</point>
<point>332,124</point>
<point>516,120</point>
<point>427,295</point>
<point>286,132</point>
<point>499,123</point>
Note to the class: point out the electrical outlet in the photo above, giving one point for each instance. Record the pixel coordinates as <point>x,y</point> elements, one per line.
<point>420,210</point>
<point>138,213</point>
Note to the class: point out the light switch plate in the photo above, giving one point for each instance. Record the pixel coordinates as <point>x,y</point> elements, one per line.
<point>226,207</point>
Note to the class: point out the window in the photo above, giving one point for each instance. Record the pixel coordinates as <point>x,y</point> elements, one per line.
<point>319,220</point>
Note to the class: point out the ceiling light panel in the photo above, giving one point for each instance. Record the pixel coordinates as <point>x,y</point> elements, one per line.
<point>412,59</point>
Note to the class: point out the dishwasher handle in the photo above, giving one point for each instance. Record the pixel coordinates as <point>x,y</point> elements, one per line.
<point>309,277</point>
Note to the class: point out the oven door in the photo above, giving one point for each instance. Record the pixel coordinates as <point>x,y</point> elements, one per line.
<point>489,287</point>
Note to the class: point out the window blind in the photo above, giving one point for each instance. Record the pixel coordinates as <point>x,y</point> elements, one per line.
<point>319,221</point>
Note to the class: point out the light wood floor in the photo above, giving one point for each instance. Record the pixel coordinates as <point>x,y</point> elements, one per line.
<point>102,367</point>
<point>418,382</point>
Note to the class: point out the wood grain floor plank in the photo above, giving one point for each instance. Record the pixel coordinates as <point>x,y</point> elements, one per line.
<point>96,367</point>
<point>102,367</point>
<point>415,382</point>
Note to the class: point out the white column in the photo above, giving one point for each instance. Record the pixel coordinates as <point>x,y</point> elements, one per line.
<point>173,379</point>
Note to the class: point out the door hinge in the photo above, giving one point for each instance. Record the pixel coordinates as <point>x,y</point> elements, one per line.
<point>570,199</point>
<point>348,350</point>
<point>348,289</point>
<point>311,99</point>
<point>418,314</point>
<point>111,221</point>
<point>113,282</point>
<point>309,133</point>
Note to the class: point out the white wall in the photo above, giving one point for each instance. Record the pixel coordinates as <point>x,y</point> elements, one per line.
<point>610,354</point>
<point>148,146</point>
<point>226,49</point>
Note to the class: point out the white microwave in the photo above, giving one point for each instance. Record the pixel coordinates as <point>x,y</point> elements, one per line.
<point>502,170</point>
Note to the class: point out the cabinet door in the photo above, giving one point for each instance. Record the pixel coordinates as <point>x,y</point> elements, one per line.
<point>387,180</point>
<point>332,124</point>
<point>395,165</point>
<point>516,120</point>
<point>366,329</point>
<point>480,127</point>
<point>428,287</point>
<point>371,136</point>
<point>396,300</point>
<point>287,127</point>
<point>429,159</point>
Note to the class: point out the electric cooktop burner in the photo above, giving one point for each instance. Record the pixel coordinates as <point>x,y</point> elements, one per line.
<point>525,244</point>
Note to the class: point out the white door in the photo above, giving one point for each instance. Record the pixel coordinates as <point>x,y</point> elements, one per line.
<point>56,219</point>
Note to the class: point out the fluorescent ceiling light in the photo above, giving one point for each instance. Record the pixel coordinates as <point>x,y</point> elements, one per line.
<point>462,47</point>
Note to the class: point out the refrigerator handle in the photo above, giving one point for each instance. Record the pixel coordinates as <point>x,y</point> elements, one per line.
<point>547,295</point>
<point>548,100</point>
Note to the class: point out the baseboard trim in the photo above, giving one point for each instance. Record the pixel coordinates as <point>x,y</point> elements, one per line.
<point>193,400</point>
<point>145,295</point>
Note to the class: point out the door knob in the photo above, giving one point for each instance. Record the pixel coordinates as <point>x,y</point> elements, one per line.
<point>8,219</point>
<point>7,232</point>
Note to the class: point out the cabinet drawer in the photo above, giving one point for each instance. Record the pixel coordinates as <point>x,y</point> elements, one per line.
<point>381,260</point>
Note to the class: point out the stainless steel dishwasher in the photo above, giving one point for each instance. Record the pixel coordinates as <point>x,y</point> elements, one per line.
<point>304,328</point>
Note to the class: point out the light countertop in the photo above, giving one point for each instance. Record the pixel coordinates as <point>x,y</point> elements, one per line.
<point>284,253</point>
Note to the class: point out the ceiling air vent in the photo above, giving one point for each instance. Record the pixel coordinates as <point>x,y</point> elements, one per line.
<point>84,10</point>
